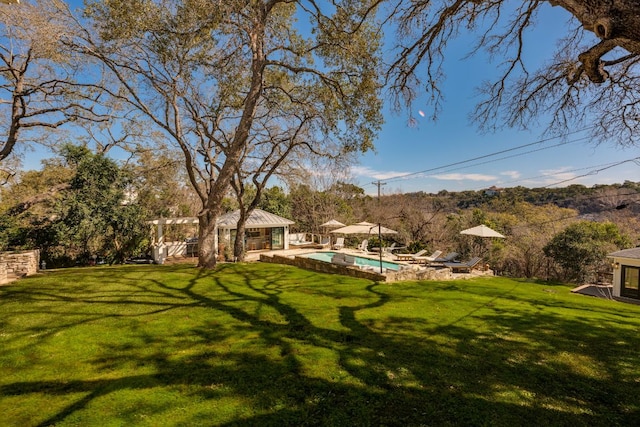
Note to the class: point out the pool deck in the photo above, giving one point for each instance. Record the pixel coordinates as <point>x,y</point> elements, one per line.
<point>414,272</point>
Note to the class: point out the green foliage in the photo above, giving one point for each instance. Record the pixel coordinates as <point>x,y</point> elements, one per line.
<point>86,217</point>
<point>26,207</point>
<point>582,247</point>
<point>276,201</point>
<point>347,191</point>
<point>9,231</point>
<point>264,344</point>
<point>94,218</point>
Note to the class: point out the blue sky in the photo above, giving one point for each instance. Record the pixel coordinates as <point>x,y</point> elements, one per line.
<point>402,149</point>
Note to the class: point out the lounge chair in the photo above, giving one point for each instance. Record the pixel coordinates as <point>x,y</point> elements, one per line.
<point>409,257</point>
<point>418,256</point>
<point>450,257</point>
<point>343,259</point>
<point>457,267</point>
<point>427,259</point>
<point>339,244</point>
<point>364,246</point>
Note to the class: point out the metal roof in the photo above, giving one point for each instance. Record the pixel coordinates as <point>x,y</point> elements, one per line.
<point>258,218</point>
<point>633,253</point>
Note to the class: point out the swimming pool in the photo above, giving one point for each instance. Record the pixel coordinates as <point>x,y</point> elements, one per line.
<point>326,257</point>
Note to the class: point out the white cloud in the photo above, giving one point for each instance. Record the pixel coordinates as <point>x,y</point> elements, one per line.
<point>511,174</point>
<point>558,175</point>
<point>464,177</point>
<point>372,173</point>
<point>562,176</point>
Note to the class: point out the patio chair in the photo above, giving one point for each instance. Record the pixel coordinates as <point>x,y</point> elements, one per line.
<point>339,244</point>
<point>394,247</point>
<point>364,246</point>
<point>325,242</point>
<point>458,267</point>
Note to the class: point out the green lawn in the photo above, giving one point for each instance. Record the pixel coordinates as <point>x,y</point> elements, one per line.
<point>263,344</point>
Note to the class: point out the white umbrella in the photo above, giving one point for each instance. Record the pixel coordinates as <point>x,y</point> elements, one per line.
<point>332,224</point>
<point>482,231</point>
<point>363,228</point>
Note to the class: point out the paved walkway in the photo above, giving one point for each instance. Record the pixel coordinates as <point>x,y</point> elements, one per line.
<point>600,291</point>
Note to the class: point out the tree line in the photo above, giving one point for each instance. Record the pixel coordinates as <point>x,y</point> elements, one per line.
<point>552,233</point>
<point>83,205</point>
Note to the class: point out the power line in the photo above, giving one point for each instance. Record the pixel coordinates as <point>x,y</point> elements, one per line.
<point>636,160</point>
<point>507,157</point>
<point>608,165</point>
<point>541,141</point>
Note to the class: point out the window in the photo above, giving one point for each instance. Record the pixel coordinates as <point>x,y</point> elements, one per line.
<point>253,232</point>
<point>630,282</point>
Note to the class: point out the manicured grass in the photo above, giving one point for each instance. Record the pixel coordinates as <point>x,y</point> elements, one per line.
<point>256,344</point>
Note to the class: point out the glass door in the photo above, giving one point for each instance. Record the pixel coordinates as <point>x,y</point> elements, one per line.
<point>277,238</point>
<point>630,282</point>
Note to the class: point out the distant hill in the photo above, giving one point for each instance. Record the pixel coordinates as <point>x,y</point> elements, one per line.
<point>586,200</point>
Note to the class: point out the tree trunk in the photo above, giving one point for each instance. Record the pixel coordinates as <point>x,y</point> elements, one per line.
<point>238,245</point>
<point>207,253</point>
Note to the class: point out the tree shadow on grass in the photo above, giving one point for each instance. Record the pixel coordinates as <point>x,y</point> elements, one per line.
<point>388,369</point>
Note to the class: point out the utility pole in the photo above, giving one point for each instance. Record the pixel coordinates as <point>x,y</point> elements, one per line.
<point>379,184</point>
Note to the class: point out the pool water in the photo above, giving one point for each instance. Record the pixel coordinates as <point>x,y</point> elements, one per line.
<point>326,257</point>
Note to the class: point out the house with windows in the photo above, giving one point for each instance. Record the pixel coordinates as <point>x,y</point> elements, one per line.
<point>626,273</point>
<point>263,231</point>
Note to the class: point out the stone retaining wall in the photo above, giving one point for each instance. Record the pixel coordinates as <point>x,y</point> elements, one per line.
<point>323,267</point>
<point>3,272</point>
<point>408,273</point>
<point>23,263</point>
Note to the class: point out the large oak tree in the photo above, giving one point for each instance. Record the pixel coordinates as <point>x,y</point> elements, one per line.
<point>201,70</point>
<point>43,85</point>
<point>590,82</point>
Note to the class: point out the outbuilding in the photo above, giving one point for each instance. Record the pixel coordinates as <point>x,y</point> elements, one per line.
<point>626,273</point>
<point>263,231</point>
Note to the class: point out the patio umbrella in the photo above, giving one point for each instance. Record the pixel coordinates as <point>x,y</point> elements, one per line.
<point>332,224</point>
<point>482,231</point>
<point>366,228</point>
<point>363,228</point>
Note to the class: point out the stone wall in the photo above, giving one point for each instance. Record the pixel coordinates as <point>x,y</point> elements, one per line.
<point>23,263</point>
<point>323,267</point>
<point>3,272</point>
